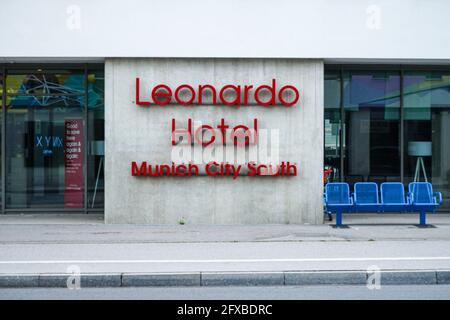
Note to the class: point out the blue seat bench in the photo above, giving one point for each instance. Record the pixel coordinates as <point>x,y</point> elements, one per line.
<point>391,198</point>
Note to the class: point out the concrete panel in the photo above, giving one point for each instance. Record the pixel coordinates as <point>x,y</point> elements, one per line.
<point>325,278</point>
<point>134,133</point>
<point>86,280</point>
<point>160,279</point>
<point>408,277</point>
<point>53,280</point>
<point>243,279</point>
<point>19,280</point>
<point>101,280</point>
<point>443,277</point>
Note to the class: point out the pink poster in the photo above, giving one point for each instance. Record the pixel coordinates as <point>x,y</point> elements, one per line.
<point>73,163</point>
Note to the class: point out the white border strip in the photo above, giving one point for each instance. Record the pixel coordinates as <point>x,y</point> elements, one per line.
<point>226,260</point>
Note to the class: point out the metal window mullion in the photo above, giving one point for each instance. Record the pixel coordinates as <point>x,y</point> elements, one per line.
<point>3,143</point>
<point>85,134</point>
<point>342,126</point>
<point>402,128</point>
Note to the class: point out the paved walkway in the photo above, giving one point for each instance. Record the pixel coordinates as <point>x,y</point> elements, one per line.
<point>70,228</point>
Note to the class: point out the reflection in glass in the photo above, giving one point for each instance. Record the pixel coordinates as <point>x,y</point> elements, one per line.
<point>44,152</point>
<point>372,126</point>
<point>332,127</point>
<point>427,129</point>
<point>45,83</point>
<point>1,132</point>
<point>96,139</point>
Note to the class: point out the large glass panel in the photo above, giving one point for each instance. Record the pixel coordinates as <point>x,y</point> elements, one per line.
<point>44,82</point>
<point>96,140</point>
<point>372,126</point>
<point>44,152</point>
<point>1,122</point>
<point>427,129</point>
<point>332,126</point>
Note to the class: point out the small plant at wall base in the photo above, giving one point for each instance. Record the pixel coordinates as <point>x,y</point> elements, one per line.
<point>181,221</point>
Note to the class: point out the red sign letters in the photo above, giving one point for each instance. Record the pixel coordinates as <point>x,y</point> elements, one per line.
<point>162,94</point>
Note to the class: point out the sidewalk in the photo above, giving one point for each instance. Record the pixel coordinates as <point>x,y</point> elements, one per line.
<point>44,250</point>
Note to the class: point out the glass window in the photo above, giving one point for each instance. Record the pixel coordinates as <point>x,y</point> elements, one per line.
<point>332,126</point>
<point>44,152</point>
<point>44,82</point>
<point>96,139</point>
<point>54,145</point>
<point>1,132</point>
<point>1,84</point>
<point>427,129</point>
<point>372,126</point>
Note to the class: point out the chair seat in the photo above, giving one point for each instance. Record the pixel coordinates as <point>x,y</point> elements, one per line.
<point>426,206</point>
<point>337,197</point>
<point>396,207</point>
<point>366,197</point>
<point>340,207</point>
<point>368,207</point>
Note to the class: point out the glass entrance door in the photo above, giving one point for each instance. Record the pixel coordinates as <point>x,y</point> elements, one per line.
<point>45,144</point>
<point>44,152</point>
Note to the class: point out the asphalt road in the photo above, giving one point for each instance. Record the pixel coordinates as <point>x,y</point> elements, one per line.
<point>224,256</point>
<point>235,293</point>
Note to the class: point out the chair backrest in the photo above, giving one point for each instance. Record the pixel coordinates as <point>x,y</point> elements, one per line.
<point>392,192</point>
<point>421,192</point>
<point>366,193</point>
<point>352,179</point>
<point>337,193</point>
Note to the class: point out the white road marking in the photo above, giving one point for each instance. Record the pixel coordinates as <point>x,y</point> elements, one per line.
<point>226,260</point>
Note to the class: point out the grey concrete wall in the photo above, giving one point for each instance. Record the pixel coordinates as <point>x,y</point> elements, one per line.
<point>136,133</point>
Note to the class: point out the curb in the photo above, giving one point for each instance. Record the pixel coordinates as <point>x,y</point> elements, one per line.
<point>196,279</point>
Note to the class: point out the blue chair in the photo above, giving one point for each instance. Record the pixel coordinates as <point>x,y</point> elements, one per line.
<point>337,199</point>
<point>366,197</point>
<point>423,199</point>
<point>393,197</point>
<point>420,198</point>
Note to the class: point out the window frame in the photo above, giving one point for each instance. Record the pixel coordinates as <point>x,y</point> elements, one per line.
<point>85,69</point>
<point>401,68</point>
